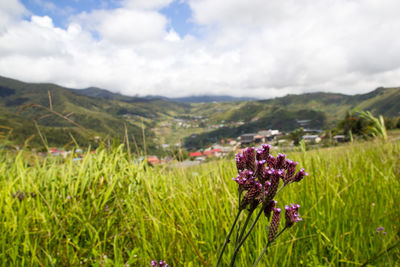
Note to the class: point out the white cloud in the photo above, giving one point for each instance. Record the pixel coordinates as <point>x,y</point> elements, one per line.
<point>10,11</point>
<point>256,48</point>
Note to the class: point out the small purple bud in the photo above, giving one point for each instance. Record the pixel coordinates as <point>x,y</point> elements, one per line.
<point>107,208</point>
<point>240,162</point>
<point>245,179</point>
<point>260,170</point>
<point>271,162</point>
<point>263,152</point>
<point>275,177</point>
<point>252,196</point>
<point>292,214</point>
<point>273,228</point>
<point>280,161</point>
<point>300,175</point>
<point>290,171</point>
<point>250,158</point>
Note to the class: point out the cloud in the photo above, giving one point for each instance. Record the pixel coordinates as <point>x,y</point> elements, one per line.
<point>253,48</point>
<point>10,11</point>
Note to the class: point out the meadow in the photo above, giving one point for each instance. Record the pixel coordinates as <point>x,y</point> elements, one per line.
<point>109,210</point>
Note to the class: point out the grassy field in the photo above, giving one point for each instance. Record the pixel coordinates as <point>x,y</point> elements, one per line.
<point>106,210</point>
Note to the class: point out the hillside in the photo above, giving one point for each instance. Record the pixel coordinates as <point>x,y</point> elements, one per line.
<point>103,117</point>
<point>166,121</point>
<point>323,110</point>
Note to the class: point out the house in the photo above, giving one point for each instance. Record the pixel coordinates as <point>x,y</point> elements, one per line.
<point>153,160</point>
<point>196,154</point>
<point>247,138</point>
<point>339,138</point>
<point>312,138</point>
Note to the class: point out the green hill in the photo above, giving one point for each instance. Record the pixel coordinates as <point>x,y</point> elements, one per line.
<point>102,117</point>
<point>105,114</point>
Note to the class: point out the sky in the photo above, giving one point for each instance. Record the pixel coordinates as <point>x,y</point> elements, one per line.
<point>176,48</point>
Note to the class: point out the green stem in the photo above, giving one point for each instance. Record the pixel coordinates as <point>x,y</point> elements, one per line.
<point>227,237</point>
<point>240,238</point>
<point>266,247</point>
<point>245,225</point>
<point>238,228</point>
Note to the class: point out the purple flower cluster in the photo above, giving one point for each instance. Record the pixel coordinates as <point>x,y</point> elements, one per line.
<point>154,263</point>
<point>259,177</point>
<point>292,214</point>
<point>380,230</point>
<point>260,174</point>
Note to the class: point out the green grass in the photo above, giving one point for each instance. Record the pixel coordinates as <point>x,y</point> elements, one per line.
<point>183,215</point>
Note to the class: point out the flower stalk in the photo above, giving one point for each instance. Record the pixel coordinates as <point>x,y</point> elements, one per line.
<point>259,176</point>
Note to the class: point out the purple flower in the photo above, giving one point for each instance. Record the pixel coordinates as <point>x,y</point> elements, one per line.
<point>260,170</point>
<point>154,263</point>
<point>271,162</point>
<point>292,214</point>
<point>300,175</point>
<point>290,171</point>
<point>380,230</point>
<point>107,208</point>
<point>273,228</point>
<point>280,161</point>
<point>275,177</point>
<point>263,152</point>
<point>240,162</point>
<point>252,196</point>
<point>250,158</point>
<point>245,180</point>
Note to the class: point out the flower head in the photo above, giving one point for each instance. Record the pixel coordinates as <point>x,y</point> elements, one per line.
<point>273,228</point>
<point>280,161</point>
<point>245,180</point>
<point>263,152</point>
<point>300,175</point>
<point>380,230</point>
<point>154,263</point>
<point>290,171</point>
<point>292,214</point>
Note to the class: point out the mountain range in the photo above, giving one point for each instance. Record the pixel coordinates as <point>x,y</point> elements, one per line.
<point>27,109</point>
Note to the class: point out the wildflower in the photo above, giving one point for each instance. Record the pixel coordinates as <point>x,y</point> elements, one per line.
<point>240,162</point>
<point>380,230</point>
<point>276,175</point>
<point>271,161</point>
<point>280,161</point>
<point>107,208</point>
<point>159,264</point>
<point>263,152</point>
<point>290,171</point>
<point>292,214</point>
<point>249,157</point>
<point>273,229</point>
<point>252,196</point>
<point>300,175</point>
<point>245,179</point>
<point>260,170</point>
<point>20,195</point>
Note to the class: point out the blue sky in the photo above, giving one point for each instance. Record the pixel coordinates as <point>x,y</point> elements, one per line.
<point>175,48</point>
<point>178,12</point>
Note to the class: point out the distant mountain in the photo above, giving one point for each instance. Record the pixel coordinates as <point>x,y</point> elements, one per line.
<point>108,114</point>
<point>105,94</point>
<point>211,98</point>
<point>321,110</point>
